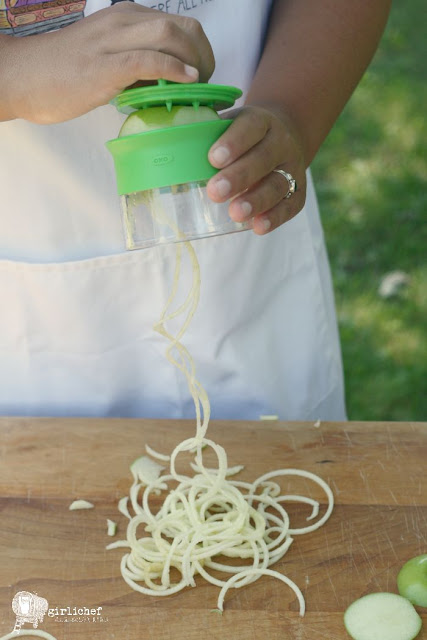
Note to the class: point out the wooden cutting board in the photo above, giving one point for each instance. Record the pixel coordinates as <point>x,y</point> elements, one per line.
<point>377,471</point>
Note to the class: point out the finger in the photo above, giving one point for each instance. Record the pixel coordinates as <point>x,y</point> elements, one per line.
<point>262,197</point>
<point>206,61</point>
<point>246,171</point>
<point>130,66</point>
<point>133,36</point>
<point>165,36</point>
<point>247,130</point>
<point>152,29</point>
<point>284,211</point>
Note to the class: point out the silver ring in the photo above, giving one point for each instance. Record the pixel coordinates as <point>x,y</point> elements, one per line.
<point>292,185</point>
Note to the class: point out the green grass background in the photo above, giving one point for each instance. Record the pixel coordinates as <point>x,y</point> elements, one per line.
<point>371,177</point>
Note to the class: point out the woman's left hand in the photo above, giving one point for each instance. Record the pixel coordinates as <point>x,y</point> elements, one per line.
<point>259,140</point>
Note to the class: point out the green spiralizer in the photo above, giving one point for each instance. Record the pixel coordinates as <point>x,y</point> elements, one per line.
<point>161,162</point>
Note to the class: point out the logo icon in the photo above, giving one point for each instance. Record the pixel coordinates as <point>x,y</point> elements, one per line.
<point>163,159</point>
<point>28,607</point>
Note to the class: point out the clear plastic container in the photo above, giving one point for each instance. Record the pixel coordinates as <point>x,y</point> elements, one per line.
<point>174,214</point>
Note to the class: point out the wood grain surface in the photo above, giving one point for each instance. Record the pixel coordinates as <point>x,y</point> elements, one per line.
<point>377,471</point>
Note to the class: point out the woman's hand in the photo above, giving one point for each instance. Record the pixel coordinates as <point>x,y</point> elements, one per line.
<point>259,140</point>
<point>63,74</point>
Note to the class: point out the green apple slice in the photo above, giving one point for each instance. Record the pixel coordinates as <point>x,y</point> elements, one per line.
<point>382,616</point>
<point>160,118</point>
<point>412,580</point>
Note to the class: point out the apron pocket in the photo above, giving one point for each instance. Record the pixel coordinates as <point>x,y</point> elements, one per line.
<point>76,338</point>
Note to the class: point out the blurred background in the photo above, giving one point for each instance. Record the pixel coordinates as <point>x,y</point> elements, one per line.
<point>371,178</point>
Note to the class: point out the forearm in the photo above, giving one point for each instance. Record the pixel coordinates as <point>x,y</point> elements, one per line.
<point>315,54</point>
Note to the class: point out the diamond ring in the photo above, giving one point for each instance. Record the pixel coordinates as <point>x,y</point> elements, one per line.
<point>292,185</point>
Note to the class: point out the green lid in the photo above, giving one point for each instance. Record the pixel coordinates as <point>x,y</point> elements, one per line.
<point>174,155</point>
<point>166,93</point>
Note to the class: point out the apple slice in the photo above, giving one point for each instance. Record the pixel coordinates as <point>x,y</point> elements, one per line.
<point>160,118</point>
<point>382,616</point>
<point>412,580</point>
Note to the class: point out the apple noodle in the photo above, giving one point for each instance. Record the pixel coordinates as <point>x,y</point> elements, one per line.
<point>23,633</point>
<point>207,517</point>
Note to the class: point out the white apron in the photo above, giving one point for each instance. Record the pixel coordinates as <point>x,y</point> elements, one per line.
<point>76,332</point>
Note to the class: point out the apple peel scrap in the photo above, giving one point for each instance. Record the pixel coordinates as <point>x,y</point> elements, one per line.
<point>80,504</point>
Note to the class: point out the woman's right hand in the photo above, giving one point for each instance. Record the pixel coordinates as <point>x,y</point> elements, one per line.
<point>63,74</point>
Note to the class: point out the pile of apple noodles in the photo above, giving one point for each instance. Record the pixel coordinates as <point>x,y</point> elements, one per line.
<point>205,517</point>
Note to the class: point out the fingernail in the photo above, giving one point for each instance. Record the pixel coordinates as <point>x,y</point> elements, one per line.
<point>266,224</point>
<point>245,208</point>
<point>220,155</point>
<point>222,187</point>
<point>191,71</point>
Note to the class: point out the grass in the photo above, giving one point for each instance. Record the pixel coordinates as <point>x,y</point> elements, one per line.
<point>371,177</point>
